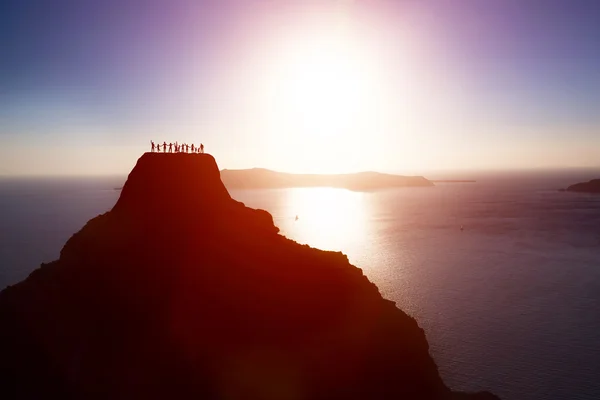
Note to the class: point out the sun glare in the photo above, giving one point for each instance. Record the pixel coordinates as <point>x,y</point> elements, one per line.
<point>325,85</point>
<point>324,90</point>
<point>328,218</point>
<point>330,95</point>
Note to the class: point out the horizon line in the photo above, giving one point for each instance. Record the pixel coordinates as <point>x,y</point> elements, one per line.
<point>405,173</point>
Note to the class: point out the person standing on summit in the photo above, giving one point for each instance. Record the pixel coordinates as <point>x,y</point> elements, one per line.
<point>152,144</point>
<point>201,148</point>
<point>164,147</point>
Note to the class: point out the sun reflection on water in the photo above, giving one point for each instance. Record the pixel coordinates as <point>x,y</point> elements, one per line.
<point>327,218</point>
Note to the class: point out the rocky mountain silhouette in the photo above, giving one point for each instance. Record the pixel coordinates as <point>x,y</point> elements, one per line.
<point>182,292</point>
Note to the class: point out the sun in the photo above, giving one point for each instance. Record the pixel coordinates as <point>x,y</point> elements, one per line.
<point>325,87</point>
<point>325,99</point>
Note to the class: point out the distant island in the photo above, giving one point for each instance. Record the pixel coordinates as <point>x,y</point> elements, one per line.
<point>260,178</point>
<point>592,186</point>
<point>453,181</point>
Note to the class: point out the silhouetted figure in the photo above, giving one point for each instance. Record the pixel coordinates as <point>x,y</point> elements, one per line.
<point>193,151</point>
<point>170,147</point>
<point>164,147</point>
<point>153,146</point>
<point>187,148</point>
<point>201,148</point>
<point>158,148</point>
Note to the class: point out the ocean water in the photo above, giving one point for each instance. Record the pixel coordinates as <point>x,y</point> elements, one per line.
<point>510,304</point>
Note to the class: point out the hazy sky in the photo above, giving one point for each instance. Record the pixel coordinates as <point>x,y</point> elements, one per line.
<point>300,86</point>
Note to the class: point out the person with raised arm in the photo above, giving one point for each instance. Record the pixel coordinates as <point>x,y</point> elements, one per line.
<point>152,145</point>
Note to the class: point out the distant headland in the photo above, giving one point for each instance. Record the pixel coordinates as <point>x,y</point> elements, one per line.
<point>259,178</point>
<point>592,186</point>
<point>454,181</point>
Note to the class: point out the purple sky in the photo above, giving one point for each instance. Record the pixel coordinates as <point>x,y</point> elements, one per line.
<point>104,74</point>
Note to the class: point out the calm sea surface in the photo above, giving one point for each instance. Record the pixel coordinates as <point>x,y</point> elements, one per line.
<point>510,304</point>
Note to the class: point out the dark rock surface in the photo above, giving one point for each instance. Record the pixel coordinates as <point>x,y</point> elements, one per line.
<point>182,292</point>
<point>592,186</point>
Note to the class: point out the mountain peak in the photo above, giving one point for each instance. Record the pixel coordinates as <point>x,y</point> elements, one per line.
<point>172,185</point>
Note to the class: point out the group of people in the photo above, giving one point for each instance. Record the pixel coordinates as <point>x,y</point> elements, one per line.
<point>176,147</point>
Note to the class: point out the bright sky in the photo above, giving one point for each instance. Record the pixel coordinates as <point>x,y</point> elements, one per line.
<point>300,86</point>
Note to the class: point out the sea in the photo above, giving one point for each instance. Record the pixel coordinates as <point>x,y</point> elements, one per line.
<point>510,303</point>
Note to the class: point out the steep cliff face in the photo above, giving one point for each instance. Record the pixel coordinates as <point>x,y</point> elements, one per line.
<point>180,291</point>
